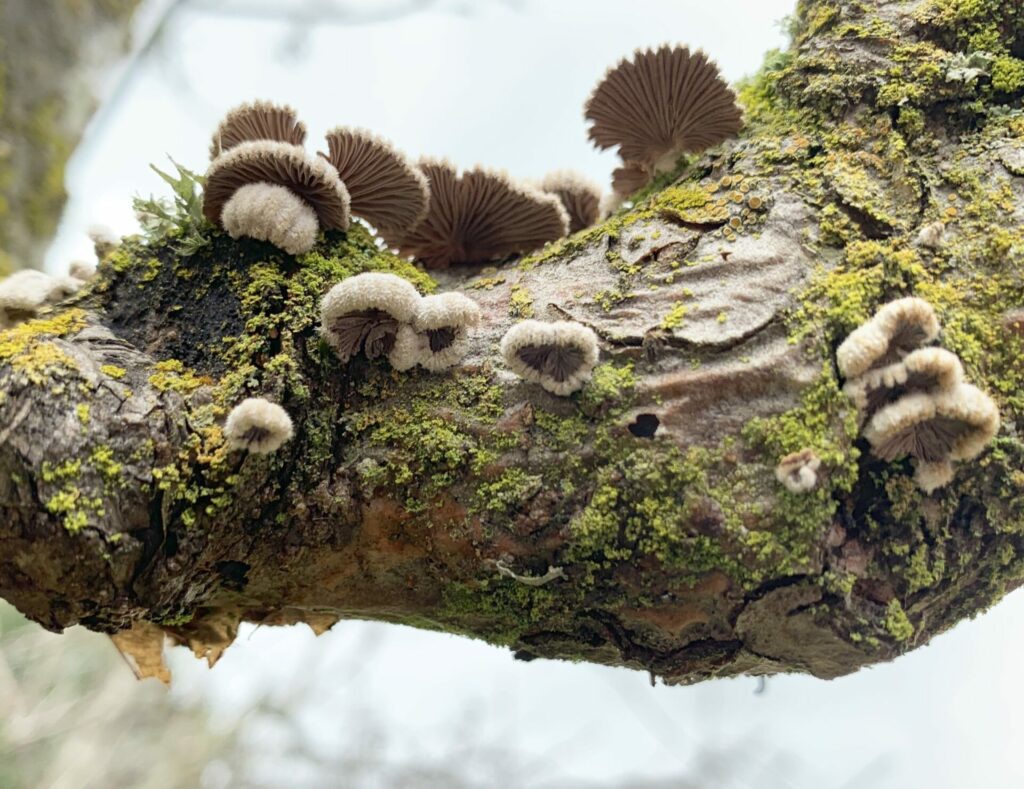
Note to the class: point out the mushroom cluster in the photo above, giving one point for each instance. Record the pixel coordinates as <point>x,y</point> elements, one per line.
<point>26,293</point>
<point>379,314</point>
<point>913,400</point>
<point>559,356</point>
<point>264,185</point>
<point>655,107</point>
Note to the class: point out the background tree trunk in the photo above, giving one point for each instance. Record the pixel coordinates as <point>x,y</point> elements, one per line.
<point>51,52</point>
<point>432,500</point>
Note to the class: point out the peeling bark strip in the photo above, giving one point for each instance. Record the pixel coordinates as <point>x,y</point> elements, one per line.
<point>719,302</point>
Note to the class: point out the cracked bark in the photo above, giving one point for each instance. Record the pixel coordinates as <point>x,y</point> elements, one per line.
<point>653,490</point>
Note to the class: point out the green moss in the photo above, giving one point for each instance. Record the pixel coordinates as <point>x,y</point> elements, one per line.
<point>896,622</point>
<point>1008,74</point>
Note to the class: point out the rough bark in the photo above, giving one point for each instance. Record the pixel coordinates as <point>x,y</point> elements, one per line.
<point>50,54</point>
<point>436,500</point>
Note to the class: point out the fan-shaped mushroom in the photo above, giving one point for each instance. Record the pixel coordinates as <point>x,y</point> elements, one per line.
<point>924,370</point>
<point>365,312</point>
<point>628,179</point>
<point>660,104</point>
<point>310,182</point>
<point>559,356</point>
<point>955,424</point>
<point>437,338</point>
<point>258,120</point>
<point>385,189</point>
<point>580,198</point>
<point>898,328</point>
<point>479,216</point>
<point>257,425</point>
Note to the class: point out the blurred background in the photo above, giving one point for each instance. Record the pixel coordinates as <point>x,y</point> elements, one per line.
<point>497,82</point>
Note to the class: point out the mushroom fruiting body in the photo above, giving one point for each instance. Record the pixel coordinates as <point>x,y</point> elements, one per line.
<point>932,476</point>
<point>25,293</point>
<point>311,179</point>
<point>258,120</point>
<point>365,313</point>
<point>955,424</point>
<point>268,212</point>
<point>799,472</point>
<point>628,179</point>
<point>580,197</point>
<point>923,370</point>
<point>257,425</point>
<point>442,324</point>
<point>479,216</point>
<point>559,356</point>
<point>384,187</point>
<point>660,104</point>
<point>898,328</point>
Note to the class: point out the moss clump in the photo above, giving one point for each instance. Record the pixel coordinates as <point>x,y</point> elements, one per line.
<point>28,350</point>
<point>520,302</point>
<point>896,622</point>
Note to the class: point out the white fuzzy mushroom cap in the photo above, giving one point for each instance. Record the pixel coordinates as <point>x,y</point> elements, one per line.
<point>446,309</point>
<point>923,370</point>
<point>268,212</point>
<point>24,293</point>
<point>949,425</point>
<point>347,310</point>
<point>258,426</point>
<point>799,471</point>
<point>81,270</point>
<point>932,476</point>
<point>559,356</point>
<point>898,328</point>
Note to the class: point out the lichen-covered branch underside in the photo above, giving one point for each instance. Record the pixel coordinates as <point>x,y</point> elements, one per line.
<point>638,522</point>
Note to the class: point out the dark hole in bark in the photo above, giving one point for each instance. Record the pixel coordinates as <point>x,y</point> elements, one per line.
<point>645,426</point>
<point>233,574</point>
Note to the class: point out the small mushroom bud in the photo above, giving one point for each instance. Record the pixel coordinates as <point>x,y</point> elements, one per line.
<point>257,425</point>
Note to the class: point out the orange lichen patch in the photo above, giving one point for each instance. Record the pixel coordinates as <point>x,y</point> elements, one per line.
<point>209,633</point>
<point>142,647</point>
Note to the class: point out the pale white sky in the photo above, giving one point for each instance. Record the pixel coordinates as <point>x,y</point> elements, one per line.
<point>502,83</point>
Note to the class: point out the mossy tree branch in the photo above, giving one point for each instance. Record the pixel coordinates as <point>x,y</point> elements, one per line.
<point>442,501</point>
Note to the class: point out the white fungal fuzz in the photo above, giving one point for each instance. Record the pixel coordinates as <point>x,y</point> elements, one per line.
<point>410,349</point>
<point>897,328</point>
<point>799,471</point>
<point>932,476</point>
<point>268,212</point>
<point>365,312</point>
<point>559,356</point>
<point>552,574</point>
<point>257,425</point>
<point>24,294</point>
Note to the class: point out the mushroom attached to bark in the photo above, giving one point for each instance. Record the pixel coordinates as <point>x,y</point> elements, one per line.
<point>258,120</point>
<point>257,425</point>
<point>290,193</point>
<point>24,294</point>
<point>628,179</point>
<point>799,471</point>
<point>385,188</point>
<point>365,312</point>
<point>479,216</point>
<point>559,356</point>
<point>660,104</point>
<point>898,328</point>
<point>438,336</point>
<point>955,424</point>
<point>580,197</point>
<point>924,370</point>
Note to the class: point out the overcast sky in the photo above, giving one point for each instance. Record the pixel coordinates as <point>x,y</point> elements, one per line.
<point>503,83</point>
